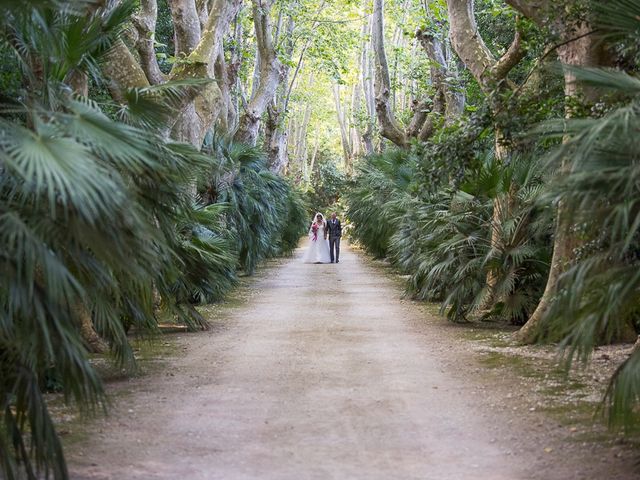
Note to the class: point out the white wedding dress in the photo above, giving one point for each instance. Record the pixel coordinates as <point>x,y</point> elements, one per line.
<point>318,249</point>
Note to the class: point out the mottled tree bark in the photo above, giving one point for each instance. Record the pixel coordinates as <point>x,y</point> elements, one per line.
<point>79,82</point>
<point>488,71</point>
<point>389,127</point>
<point>91,339</point>
<point>577,48</point>
<point>186,26</point>
<point>199,47</point>
<point>226,102</point>
<point>275,131</point>
<point>455,96</point>
<point>122,71</point>
<point>271,71</point>
<point>145,23</point>
<point>434,49</point>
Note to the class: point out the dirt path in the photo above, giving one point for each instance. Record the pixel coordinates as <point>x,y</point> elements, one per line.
<point>324,374</point>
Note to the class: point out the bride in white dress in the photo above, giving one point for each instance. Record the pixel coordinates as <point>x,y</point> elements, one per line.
<point>318,249</point>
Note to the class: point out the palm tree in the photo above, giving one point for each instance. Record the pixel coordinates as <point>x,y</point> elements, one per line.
<point>265,213</point>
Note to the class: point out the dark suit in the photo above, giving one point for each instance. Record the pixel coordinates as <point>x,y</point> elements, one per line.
<point>334,229</point>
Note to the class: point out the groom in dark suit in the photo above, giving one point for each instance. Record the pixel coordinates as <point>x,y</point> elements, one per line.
<point>334,230</point>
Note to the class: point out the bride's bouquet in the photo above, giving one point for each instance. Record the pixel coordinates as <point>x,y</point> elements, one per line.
<point>314,230</point>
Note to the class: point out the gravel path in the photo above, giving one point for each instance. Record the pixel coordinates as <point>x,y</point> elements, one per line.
<point>324,374</point>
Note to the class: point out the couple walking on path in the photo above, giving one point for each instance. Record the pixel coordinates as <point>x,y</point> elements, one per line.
<point>320,249</point>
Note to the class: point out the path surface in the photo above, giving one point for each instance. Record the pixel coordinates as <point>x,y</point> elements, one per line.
<point>320,376</point>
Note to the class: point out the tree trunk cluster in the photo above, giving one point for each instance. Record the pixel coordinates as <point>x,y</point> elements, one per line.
<point>447,102</point>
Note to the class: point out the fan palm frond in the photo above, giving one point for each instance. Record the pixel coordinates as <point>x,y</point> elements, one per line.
<point>154,107</point>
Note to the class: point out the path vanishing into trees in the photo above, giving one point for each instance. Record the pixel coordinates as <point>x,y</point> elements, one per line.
<point>324,373</point>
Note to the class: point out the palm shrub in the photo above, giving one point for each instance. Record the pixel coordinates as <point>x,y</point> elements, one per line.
<point>87,227</point>
<point>519,259</point>
<point>75,239</point>
<point>295,222</point>
<point>599,183</point>
<point>441,243</point>
<point>375,198</point>
<point>266,214</point>
<point>96,216</point>
<point>444,243</point>
<point>205,248</point>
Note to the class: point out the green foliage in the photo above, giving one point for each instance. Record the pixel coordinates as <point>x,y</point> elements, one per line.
<point>329,41</point>
<point>265,213</point>
<point>597,187</point>
<point>53,45</point>
<point>598,296</point>
<point>76,236</point>
<point>328,183</point>
<point>164,39</point>
<point>206,249</point>
<point>443,241</point>
<point>67,175</point>
<point>371,199</point>
<point>295,224</point>
<point>451,152</point>
<point>440,244</point>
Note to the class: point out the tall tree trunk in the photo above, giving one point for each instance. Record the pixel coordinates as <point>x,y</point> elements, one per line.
<point>585,51</point>
<point>302,136</point>
<point>454,93</point>
<point>312,162</point>
<point>303,126</point>
<point>186,24</point>
<point>389,127</point>
<point>275,131</point>
<point>344,135</point>
<point>425,112</point>
<point>354,134</point>
<point>366,81</point>
<point>271,71</point>
<point>222,80</point>
<point>145,23</point>
<point>199,111</point>
<point>233,75</point>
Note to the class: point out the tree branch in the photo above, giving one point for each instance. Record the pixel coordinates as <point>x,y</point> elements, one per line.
<point>536,10</point>
<point>389,127</point>
<point>434,49</point>
<point>122,70</point>
<point>301,57</point>
<point>200,61</point>
<point>271,72</point>
<point>186,26</point>
<point>468,43</point>
<point>145,23</point>
<point>420,111</point>
<point>510,59</point>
